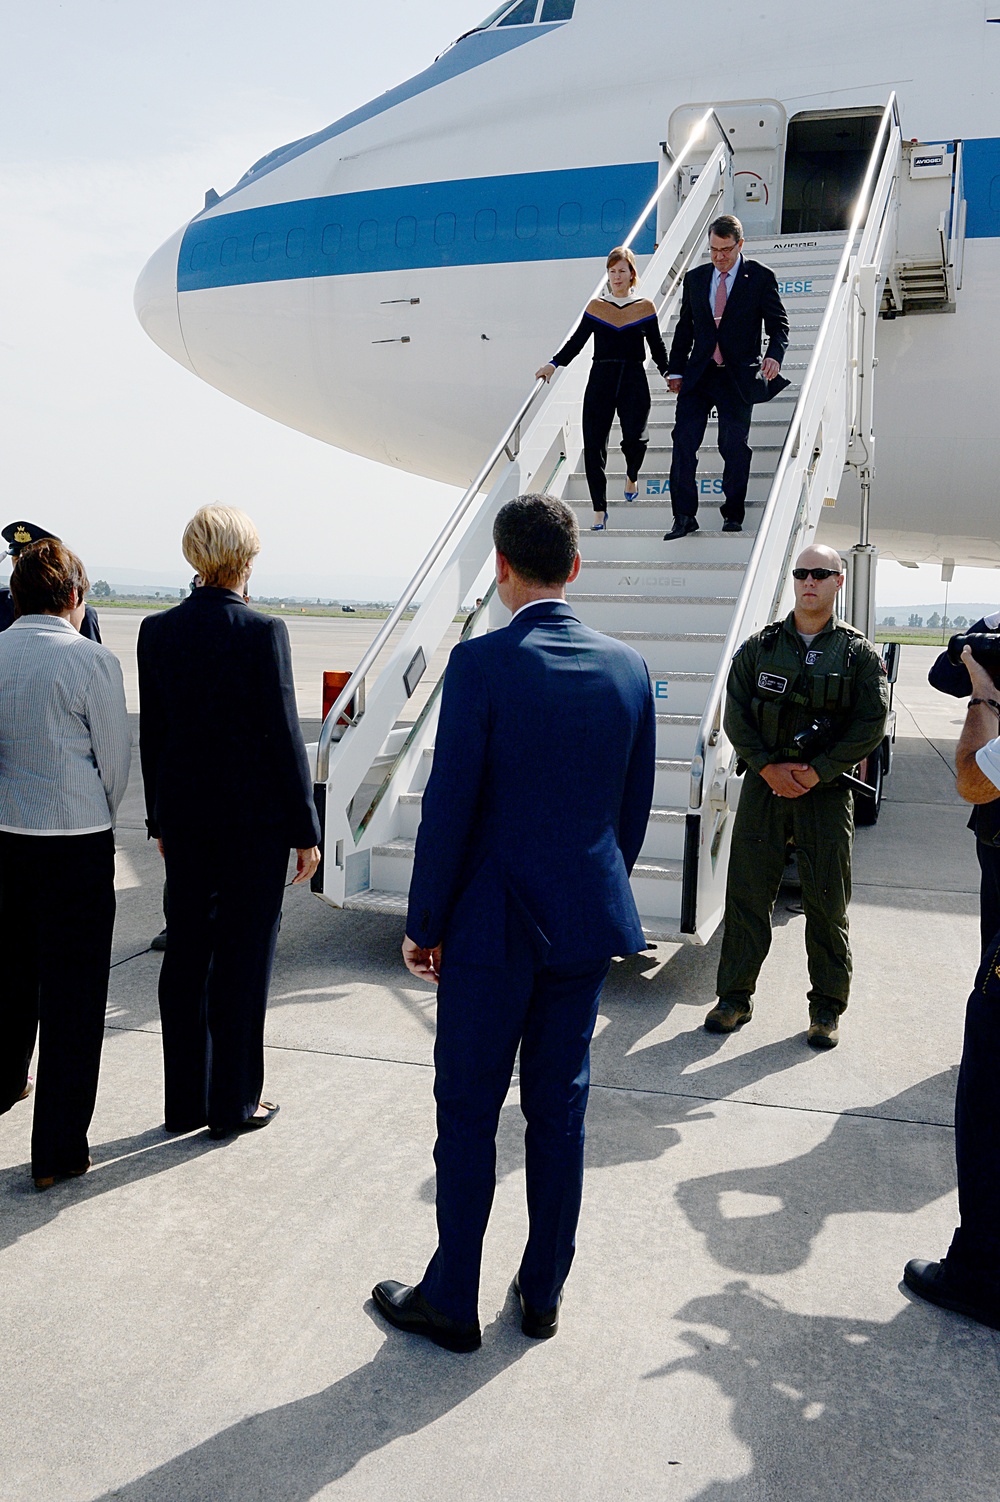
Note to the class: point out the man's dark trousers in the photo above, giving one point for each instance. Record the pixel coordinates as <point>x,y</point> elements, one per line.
<point>714,388</point>
<point>225,909</point>
<point>989,891</point>
<point>975,1250</point>
<point>59,904</point>
<point>483,1013</point>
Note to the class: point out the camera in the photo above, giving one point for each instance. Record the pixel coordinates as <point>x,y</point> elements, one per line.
<point>814,738</point>
<point>985,648</point>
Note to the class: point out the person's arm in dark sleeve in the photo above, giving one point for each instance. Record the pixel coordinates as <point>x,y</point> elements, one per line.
<point>151,726</point>
<point>637,794</point>
<point>865,729</point>
<point>288,748</point>
<point>451,798</point>
<point>683,340</point>
<point>949,679</point>
<point>739,721</point>
<point>775,318</point>
<point>574,344</point>
<point>657,348</point>
<point>91,627</point>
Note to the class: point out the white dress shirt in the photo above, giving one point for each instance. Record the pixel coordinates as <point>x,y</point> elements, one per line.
<point>65,745</point>
<point>549,600</point>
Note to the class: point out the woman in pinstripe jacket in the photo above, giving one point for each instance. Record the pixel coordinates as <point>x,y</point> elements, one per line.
<point>64,763</point>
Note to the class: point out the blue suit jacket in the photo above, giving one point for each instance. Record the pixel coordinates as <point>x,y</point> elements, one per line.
<point>539,796</point>
<point>753,302</point>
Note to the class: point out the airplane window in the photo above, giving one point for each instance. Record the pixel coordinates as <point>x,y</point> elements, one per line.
<point>557,10</point>
<point>526,223</point>
<point>444,229</point>
<point>569,219</point>
<point>202,255</point>
<point>613,216</point>
<point>406,232</point>
<point>331,239</point>
<point>368,234</point>
<point>486,224</point>
<point>522,15</point>
<point>261,247</point>
<point>229,248</point>
<point>493,15</point>
<point>295,243</point>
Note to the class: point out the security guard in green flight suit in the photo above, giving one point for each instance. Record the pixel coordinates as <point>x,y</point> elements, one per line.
<point>809,673</point>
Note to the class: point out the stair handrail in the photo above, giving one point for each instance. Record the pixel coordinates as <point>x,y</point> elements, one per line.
<point>332,729</point>
<point>789,451</point>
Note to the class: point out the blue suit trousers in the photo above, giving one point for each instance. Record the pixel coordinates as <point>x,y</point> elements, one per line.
<point>484,1013</point>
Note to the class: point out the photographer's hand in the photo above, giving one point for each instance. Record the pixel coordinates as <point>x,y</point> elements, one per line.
<point>983,686</point>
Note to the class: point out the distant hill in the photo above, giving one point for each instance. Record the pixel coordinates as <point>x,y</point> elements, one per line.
<point>902,613</point>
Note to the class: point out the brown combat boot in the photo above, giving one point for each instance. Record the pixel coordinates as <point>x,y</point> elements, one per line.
<point>824,1028</point>
<point>728,1014</point>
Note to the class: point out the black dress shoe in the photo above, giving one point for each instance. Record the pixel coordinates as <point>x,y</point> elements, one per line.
<point>407,1309</point>
<point>731,526</point>
<point>683,527</point>
<point>539,1324</point>
<point>936,1282</point>
<point>252,1123</point>
<point>159,941</point>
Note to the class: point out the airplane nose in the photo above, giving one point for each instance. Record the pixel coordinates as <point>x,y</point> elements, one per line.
<point>155,301</point>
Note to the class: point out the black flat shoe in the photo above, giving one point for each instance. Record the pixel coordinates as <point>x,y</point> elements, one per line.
<point>407,1309</point>
<point>252,1123</point>
<point>935,1282</point>
<point>683,527</point>
<point>46,1181</point>
<point>538,1324</point>
<point>732,526</point>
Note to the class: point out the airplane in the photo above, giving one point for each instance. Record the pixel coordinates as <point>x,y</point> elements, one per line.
<point>389,283</point>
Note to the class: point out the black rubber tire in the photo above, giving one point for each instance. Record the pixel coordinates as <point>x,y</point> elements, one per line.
<point>867,810</point>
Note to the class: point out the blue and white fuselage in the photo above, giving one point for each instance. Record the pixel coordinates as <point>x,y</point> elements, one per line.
<point>389,284</point>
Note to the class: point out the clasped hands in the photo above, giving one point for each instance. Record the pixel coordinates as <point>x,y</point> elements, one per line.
<point>790,779</point>
<point>769,369</point>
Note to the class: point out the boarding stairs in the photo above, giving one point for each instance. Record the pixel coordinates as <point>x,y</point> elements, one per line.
<point>685,606</point>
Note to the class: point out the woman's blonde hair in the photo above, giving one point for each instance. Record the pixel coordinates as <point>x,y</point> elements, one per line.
<point>622,253</point>
<point>220,543</point>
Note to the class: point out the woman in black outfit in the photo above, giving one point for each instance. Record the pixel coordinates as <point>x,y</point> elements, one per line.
<point>622,324</point>
<point>228,794</point>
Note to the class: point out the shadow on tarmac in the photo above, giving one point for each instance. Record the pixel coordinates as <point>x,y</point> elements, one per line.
<point>293,1452</point>
<point>846,1410</point>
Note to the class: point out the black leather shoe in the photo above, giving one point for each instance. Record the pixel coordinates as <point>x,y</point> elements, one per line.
<point>159,941</point>
<point>683,527</point>
<point>935,1282</point>
<point>732,526</point>
<point>252,1123</point>
<point>407,1309</point>
<point>539,1324</point>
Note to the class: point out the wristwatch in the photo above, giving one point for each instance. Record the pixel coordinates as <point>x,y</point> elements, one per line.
<point>993,704</point>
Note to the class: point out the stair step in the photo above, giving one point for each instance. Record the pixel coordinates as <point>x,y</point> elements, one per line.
<point>667,815</point>
<point>621,597</point>
<point>377,902</point>
<point>401,848</point>
<point>662,931</point>
<point>658,870</point>
<point>645,565</point>
<point>678,719</point>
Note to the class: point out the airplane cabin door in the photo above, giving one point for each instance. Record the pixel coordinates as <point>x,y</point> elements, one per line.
<point>756,132</point>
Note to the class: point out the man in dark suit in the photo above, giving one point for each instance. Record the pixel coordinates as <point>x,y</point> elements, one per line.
<point>533,817</point>
<point>715,362</point>
<point>20,535</point>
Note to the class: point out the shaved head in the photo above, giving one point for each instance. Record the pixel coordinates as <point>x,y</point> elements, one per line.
<point>818,556</point>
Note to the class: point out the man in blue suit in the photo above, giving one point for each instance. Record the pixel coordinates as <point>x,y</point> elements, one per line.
<point>533,817</point>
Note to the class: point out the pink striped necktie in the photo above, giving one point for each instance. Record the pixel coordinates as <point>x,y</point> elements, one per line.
<point>720,308</point>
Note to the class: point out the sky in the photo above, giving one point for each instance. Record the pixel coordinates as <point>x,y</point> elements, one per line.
<point>115,116</point>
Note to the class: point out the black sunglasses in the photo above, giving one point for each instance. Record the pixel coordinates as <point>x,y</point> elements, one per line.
<point>819,574</point>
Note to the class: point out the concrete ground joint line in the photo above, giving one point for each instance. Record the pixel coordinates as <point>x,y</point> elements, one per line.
<point>767,1105</point>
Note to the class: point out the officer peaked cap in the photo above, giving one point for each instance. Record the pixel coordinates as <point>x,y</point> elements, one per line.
<point>20,534</point>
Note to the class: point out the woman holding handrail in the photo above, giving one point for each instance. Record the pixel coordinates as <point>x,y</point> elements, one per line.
<point>622,324</point>
<point>228,794</point>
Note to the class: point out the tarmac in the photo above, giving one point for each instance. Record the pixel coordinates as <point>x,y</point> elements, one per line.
<point>192,1321</point>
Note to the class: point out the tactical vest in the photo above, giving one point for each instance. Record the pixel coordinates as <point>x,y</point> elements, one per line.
<point>792,691</point>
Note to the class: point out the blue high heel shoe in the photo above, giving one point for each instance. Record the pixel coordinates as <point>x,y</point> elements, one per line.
<point>601,526</point>
<point>631,495</point>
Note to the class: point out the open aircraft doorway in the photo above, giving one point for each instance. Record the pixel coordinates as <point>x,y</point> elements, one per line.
<point>825,158</point>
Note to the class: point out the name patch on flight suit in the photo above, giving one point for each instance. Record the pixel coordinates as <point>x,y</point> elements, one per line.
<point>772,682</point>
